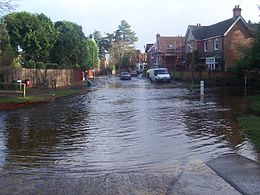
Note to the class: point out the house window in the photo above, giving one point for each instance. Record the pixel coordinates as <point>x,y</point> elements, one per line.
<point>205,46</point>
<point>216,44</point>
<point>211,62</point>
<point>190,47</point>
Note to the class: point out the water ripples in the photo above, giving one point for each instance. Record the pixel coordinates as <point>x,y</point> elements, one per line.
<point>127,126</point>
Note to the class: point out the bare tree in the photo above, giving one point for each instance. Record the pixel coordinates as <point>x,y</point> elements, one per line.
<point>7,6</point>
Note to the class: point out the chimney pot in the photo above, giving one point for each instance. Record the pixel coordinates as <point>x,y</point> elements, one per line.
<point>236,11</point>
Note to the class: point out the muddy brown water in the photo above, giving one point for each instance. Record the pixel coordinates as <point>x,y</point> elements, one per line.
<point>122,126</point>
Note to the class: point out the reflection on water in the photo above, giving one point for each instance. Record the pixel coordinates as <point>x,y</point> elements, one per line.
<point>124,126</point>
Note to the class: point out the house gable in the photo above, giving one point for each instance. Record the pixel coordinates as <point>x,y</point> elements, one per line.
<point>189,36</point>
<point>245,28</point>
<point>238,36</point>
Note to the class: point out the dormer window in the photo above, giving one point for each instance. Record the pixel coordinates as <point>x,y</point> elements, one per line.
<point>205,46</point>
<point>215,44</point>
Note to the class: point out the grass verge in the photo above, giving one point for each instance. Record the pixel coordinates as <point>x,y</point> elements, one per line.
<point>40,96</point>
<point>255,105</point>
<point>251,124</point>
<point>19,99</point>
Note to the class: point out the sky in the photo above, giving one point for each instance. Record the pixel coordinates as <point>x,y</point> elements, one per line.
<point>146,17</point>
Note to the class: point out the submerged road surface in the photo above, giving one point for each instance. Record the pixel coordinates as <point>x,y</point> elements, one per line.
<point>119,127</point>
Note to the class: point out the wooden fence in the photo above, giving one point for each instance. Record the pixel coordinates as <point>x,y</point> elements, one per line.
<point>211,78</point>
<point>44,78</point>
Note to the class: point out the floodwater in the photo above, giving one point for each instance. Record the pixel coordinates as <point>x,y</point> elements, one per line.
<point>122,126</point>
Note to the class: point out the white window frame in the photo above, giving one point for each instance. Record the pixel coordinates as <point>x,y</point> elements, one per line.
<point>211,62</point>
<point>216,46</point>
<point>205,46</point>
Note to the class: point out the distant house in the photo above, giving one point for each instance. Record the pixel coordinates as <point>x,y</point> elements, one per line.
<point>149,50</point>
<point>167,51</point>
<point>140,58</point>
<point>216,47</point>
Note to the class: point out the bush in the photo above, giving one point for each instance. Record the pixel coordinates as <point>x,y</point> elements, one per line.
<point>41,65</point>
<point>30,64</point>
<point>51,65</point>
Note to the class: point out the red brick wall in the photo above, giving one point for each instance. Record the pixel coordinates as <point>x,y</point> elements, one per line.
<point>234,40</point>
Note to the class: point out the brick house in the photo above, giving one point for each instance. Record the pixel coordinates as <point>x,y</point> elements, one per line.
<point>167,51</point>
<point>140,58</point>
<point>216,47</point>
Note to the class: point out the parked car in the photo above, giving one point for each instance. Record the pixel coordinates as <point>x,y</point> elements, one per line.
<point>125,76</point>
<point>159,75</point>
<point>133,73</point>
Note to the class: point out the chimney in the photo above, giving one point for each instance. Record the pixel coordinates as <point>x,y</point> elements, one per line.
<point>236,11</point>
<point>157,37</point>
<point>157,41</point>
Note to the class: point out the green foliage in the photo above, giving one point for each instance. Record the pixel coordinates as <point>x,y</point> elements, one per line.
<point>44,95</point>
<point>30,64</point>
<point>91,55</point>
<point>125,64</point>
<point>33,41</point>
<point>31,35</point>
<point>250,58</point>
<point>125,34</point>
<point>16,63</point>
<point>69,50</point>
<point>243,64</point>
<point>102,43</point>
<point>50,65</point>
<point>121,45</point>
<point>251,126</point>
<point>6,53</point>
<point>19,99</point>
<point>254,53</point>
<point>40,65</point>
<point>255,105</point>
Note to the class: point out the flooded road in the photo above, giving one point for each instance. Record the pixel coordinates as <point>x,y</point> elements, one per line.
<point>123,126</point>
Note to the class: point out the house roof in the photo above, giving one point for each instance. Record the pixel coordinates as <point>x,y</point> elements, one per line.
<point>254,27</point>
<point>218,29</point>
<point>148,47</point>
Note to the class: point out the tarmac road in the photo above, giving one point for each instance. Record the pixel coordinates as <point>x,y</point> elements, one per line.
<point>193,178</point>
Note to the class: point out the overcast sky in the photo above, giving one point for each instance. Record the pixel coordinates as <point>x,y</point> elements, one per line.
<point>146,17</point>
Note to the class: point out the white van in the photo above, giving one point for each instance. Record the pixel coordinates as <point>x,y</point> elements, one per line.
<point>159,75</point>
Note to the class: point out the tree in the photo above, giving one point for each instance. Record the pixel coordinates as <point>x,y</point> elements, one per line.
<point>69,50</point>
<point>92,54</point>
<point>125,34</point>
<point>6,54</point>
<point>122,43</point>
<point>250,58</point>
<point>102,43</point>
<point>31,35</point>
